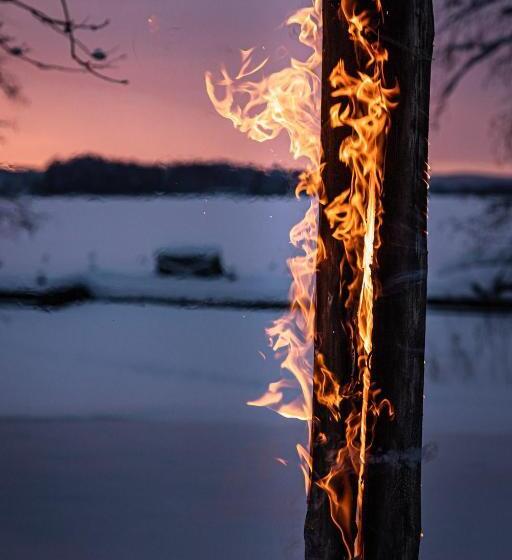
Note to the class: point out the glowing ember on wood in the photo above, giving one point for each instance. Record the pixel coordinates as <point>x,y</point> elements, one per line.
<point>362,104</point>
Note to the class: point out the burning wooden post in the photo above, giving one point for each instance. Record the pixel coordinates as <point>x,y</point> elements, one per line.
<point>366,322</point>
<point>369,359</point>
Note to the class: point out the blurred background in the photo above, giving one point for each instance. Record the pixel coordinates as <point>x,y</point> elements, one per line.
<point>143,253</point>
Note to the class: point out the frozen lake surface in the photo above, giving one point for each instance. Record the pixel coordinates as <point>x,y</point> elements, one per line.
<point>126,435</point>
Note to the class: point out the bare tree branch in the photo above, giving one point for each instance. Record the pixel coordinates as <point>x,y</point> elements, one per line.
<point>461,10</point>
<point>474,33</point>
<point>55,22</point>
<point>84,59</point>
<point>484,50</point>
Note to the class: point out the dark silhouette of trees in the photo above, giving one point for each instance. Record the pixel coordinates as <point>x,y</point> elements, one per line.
<point>93,175</point>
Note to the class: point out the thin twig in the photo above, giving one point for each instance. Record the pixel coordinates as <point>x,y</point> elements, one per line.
<point>85,59</point>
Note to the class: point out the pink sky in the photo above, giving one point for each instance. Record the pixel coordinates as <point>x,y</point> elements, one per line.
<point>164,114</point>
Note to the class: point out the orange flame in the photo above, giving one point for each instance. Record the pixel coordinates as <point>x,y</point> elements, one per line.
<point>355,216</point>
<point>289,101</point>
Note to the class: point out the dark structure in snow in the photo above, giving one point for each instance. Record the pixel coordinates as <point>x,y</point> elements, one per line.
<point>203,262</point>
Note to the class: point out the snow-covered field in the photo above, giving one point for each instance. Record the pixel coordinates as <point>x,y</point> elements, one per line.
<point>122,234</point>
<point>124,427</point>
<point>110,244</point>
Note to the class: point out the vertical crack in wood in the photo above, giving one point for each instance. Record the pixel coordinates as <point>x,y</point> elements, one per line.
<point>392,509</point>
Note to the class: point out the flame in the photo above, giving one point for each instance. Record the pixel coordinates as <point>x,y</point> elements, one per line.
<point>364,105</point>
<point>289,101</point>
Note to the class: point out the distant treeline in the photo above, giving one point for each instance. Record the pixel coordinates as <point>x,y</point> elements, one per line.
<point>96,176</point>
<point>92,175</point>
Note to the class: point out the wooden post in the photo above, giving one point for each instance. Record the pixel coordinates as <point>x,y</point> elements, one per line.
<point>392,513</point>
<point>322,538</point>
<point>393,505</point>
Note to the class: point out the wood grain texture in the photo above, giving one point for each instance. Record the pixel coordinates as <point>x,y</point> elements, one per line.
<point>322,538</point>
<point>393,498</point>
<point>392,511</point>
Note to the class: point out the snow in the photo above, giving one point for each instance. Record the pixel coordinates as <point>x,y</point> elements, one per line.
<point>133,360</point>
<point>255,291</point>
<point>161,362</point>
<point>122,234</point>
<point>109,245</point>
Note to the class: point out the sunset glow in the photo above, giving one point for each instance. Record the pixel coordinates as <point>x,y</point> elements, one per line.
<point>164,114</point>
